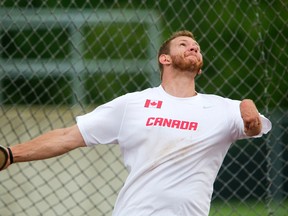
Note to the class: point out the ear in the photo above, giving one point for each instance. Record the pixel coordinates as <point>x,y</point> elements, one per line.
<point>164,59</point>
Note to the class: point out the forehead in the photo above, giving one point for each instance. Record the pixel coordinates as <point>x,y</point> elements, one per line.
<point>185,39</point>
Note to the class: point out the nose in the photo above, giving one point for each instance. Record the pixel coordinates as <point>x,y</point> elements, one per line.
<point>194,49</point>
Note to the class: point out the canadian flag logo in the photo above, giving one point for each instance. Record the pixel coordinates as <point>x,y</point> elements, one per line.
<point>153,104</point>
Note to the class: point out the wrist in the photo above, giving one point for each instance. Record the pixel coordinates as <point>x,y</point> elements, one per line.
<point>11,159</point>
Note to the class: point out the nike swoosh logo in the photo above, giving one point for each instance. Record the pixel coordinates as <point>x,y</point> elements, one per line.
<point>207,107</point>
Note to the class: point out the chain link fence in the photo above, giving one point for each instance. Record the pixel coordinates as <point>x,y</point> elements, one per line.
<point>60,59</point>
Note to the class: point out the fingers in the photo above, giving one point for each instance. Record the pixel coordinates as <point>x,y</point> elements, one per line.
<point>252,128</point>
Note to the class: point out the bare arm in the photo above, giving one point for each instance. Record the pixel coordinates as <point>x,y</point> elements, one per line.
<point>50,144</point>
<point>251,117</point>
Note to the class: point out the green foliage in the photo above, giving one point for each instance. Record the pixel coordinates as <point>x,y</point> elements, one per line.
<point>48,90</point>
<point>116,41</point>
<point>249,39</point>
<point>36,44</point>
<point>118,85</point>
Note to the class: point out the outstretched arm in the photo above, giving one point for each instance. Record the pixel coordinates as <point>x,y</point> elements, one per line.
<point>50,144</point>
<point>251,117</point>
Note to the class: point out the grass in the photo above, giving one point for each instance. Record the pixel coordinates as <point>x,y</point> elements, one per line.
<point>248,208</point>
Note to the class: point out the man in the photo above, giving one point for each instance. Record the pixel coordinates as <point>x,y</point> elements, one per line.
<point>173,139</point>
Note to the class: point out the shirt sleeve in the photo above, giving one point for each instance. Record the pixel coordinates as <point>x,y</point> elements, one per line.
<point>237,125</point>
<point>102,125</point>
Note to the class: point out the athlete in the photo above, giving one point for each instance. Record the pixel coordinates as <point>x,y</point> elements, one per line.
<point>172,138</point>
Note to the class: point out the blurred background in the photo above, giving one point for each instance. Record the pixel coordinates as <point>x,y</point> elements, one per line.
<point>60,59</point>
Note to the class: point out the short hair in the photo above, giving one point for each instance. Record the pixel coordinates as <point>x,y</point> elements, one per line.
<point>165,47</point>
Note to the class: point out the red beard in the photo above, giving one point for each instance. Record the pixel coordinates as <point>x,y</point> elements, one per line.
<point>179,62</point>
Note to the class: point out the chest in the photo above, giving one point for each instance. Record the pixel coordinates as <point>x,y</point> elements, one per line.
<point>169,121</point>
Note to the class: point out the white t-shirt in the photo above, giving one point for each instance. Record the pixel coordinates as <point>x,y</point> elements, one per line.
<point>172,147</point>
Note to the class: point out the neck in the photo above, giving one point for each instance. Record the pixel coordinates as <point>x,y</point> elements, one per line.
<point>180,84</point>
